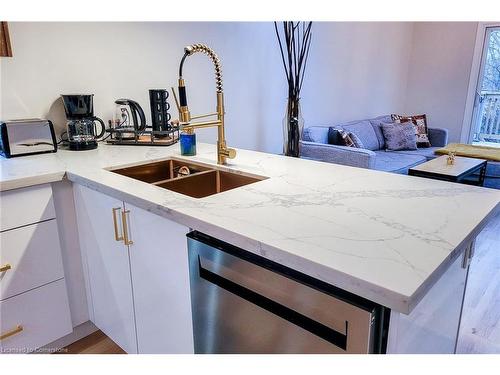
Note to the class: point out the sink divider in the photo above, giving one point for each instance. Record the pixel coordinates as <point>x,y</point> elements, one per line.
<point>160,182</point>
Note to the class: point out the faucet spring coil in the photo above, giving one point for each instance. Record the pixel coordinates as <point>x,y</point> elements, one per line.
<point>203,48</point>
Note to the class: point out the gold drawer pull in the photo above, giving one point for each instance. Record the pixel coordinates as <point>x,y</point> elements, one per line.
<point>115,224</point>
<point>12,332</point>
<point>126,240</point>
<point>5,267</point>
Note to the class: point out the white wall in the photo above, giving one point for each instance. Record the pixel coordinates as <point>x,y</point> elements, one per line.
<point>439,70</point>
<point>356,70</point>
<point>115,60</point>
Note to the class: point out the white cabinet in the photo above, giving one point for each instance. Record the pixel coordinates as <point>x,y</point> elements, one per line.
<point>35,318</point>
<point>34,308</point>
<point>160,279</point>
<point>34,256</point>
<point>138,293</point>
<point>64,204</point>
<point>106,260</point>
<point>26,206</point>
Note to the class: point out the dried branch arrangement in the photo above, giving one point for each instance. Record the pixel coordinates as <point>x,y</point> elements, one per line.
<point>294,41</point>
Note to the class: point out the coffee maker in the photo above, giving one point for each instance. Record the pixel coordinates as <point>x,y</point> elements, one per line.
<point>81,126</point>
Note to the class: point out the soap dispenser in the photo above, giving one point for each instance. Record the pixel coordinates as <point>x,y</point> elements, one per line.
<point>188,142</point>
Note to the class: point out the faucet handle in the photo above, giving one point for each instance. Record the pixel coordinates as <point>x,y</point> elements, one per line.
<point>231,153</point>
<point>228,152</point>
<point>176,100</point>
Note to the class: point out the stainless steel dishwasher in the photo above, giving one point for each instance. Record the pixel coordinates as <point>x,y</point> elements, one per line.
<point>244,303</point>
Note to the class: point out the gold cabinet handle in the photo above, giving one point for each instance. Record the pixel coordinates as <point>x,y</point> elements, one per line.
<point>126,239</point>
<point>115,224</point>
<point>5,267</point>
<point>12,332</point>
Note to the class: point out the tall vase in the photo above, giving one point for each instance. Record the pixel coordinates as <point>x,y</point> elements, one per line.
<point>293,124</point>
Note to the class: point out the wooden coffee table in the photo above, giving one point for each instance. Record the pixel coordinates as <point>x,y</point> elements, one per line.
<point>460,171</point>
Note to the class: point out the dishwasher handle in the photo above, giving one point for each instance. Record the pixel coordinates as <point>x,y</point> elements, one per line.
<point>334,337</point>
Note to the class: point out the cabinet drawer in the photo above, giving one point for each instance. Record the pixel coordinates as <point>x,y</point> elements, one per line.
<point>26,206</point>
<point>34,255</point>
<point>43,313</point>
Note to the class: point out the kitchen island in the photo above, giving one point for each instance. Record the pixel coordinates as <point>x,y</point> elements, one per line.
<point>385,237</point>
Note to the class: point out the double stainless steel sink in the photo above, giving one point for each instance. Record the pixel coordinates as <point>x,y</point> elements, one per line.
<point>192,179</point>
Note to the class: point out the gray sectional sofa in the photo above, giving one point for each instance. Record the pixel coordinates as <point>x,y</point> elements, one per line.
<point>314,145</point>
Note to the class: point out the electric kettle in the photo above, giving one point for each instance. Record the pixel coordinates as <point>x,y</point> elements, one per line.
<point>129,119</point>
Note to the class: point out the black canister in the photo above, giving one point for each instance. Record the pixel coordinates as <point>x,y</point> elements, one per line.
<point>160,117</point>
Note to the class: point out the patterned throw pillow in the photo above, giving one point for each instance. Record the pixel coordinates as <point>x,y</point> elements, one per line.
<point>420,124</point>
<point>357,142</point>
<point>346,138</point>
<point>400,136</point>
<point>350,139</point>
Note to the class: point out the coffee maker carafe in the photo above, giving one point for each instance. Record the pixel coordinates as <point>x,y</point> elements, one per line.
<point>81,127</point>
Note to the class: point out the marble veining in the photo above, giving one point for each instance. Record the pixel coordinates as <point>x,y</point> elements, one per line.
<point>383,236</point>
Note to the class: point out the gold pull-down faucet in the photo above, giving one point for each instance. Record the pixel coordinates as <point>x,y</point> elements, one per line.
<point>185,118</point>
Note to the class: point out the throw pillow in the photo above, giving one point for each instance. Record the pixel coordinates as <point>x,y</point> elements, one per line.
<point>346,138</point>
<point>334,137</point>
<point>400,136</point>
<point>420,124</point>
<point>356,140</point>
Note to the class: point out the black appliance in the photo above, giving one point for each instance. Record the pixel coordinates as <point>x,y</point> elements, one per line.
<point>129,119</point>
<point>81,127</point>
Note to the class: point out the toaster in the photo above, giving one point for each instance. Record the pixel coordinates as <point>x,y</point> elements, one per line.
<point>27,137</point>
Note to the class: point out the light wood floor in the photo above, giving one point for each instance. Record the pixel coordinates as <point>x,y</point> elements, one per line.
<point>480,328</point>
<point>95,343</point>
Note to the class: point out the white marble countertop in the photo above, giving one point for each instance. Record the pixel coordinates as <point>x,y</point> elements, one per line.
<point>383,236</point>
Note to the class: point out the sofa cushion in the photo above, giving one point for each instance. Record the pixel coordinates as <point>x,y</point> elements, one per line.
<point>390,161</point>
<point>318,134</point>
<point>364,131</point>
<point>377,127</point>
<point>383,118</point>
<point>427,152</point>
<point>438,136</point>
<point>400,136</point>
